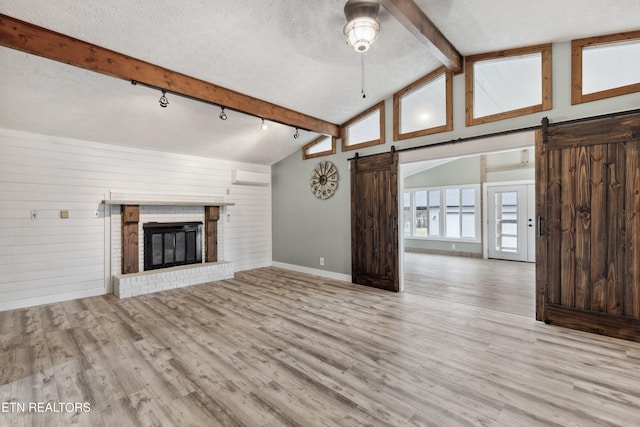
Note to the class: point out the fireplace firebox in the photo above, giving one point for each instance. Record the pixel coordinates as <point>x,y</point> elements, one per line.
<point>171,244</point>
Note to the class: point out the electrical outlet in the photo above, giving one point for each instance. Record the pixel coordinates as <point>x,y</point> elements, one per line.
<point>453,246</point>
<point>34,214</point>
<point>321,261</point>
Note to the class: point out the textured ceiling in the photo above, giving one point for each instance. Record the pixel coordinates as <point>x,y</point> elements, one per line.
<point>289,52</point>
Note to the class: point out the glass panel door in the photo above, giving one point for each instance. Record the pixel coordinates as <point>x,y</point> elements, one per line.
<point>510,218</point>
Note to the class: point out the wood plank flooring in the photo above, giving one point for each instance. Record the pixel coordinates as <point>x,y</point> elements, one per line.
<point>277,348</point>
<point>500,285</point>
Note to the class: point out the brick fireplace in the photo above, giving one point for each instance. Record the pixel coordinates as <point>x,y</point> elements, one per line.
<point>128,219</point>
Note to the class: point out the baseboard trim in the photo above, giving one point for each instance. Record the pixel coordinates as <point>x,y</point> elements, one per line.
<point>443,252</point>
<point>49,299</point>
<point>313,271</point>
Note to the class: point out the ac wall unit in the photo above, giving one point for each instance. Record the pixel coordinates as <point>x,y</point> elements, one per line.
<point>240,177</point>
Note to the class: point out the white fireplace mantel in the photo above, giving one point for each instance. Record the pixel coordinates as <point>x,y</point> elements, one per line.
<point>168,202</point>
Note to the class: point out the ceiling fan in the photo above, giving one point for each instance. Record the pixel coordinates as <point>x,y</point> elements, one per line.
<point>363,26</point>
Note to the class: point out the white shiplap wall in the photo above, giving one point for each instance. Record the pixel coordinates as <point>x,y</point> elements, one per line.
<point>52,259</point>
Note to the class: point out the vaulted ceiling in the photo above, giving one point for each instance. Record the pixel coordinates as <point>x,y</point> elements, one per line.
<point>288,52</point>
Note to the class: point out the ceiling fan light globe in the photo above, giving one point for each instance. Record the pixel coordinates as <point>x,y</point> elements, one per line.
<point>361,32</point>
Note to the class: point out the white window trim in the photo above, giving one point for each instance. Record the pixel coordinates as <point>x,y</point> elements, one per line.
<point>478,213</point>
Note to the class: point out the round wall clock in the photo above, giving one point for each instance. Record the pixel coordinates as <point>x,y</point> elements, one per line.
<point>324,180</point>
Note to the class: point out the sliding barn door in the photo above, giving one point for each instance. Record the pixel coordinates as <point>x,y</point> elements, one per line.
<point>588,203</point>
<point>374,221</point>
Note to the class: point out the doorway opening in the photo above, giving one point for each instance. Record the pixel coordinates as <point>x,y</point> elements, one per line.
<point>468,216</point>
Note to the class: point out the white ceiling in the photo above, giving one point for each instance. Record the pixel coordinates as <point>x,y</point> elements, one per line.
<point>289,52</point>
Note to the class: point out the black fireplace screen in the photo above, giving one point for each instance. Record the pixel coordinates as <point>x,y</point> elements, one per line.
<point>172,243</point>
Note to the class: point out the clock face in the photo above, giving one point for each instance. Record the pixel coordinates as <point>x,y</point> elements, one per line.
<point>324,180</point>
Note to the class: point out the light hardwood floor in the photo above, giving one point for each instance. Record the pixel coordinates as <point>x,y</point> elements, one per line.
<point>273,348</point>
<point>500,285</point>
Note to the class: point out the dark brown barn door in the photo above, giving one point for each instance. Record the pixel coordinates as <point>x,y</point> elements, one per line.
<point>374,221</point>
<point>588,202</point>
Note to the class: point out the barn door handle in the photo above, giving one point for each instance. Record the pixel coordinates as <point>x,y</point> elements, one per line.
<point>540,219</point>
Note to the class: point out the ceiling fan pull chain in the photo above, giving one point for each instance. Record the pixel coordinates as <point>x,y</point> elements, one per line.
<point>364,95</point>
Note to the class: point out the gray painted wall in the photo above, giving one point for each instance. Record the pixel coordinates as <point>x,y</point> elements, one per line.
<point>456,172</point>
<point>305,228</point>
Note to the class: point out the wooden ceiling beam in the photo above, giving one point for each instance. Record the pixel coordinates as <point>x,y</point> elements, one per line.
<point>416,21</point>
<point>29,38</point>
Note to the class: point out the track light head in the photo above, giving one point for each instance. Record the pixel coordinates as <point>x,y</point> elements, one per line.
<point>163,99</point>
<point>263,126</point>
<point>223,115</point>
<point>297,134</point>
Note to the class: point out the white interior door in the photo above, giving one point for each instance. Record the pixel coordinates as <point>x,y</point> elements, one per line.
<point>511,228</point>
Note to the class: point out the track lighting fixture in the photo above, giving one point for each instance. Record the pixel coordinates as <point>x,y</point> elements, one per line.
<point>164,102</point>
<point>163,99</point>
